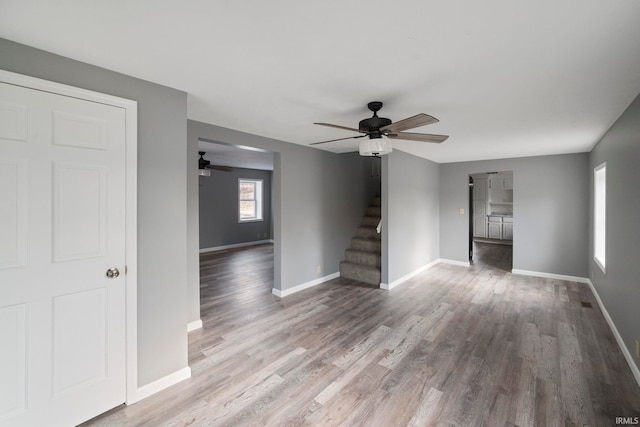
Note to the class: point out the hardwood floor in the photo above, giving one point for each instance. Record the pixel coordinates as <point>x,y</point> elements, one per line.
<point>452,346</point>
<point>492,255</point>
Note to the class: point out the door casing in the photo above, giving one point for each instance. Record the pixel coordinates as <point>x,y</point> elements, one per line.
<point>131,153</point>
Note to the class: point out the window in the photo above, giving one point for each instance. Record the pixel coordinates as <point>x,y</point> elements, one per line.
<point>250,200</point>
<point>600,215</point>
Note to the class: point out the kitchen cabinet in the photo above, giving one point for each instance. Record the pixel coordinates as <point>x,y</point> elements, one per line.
<point>507,183</point>
<point>500,188</point>
<point>495,230</point>
<point>507,231</point>
<point>480,186</point>
<point>480,194</point>
<point>499,227</point>
<point>480,208</point>
<point>480,226</point>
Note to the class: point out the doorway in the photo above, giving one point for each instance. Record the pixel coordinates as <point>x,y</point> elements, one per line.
<point>235,196</point>
<point>236,208</point>
<point>491,219</point>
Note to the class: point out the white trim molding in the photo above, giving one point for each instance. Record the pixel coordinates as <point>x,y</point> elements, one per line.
<point>196,324</point>
<point>303,286</point>
<point>619,340</point>
<point>160,384</point>
<point>454,262</point>
<point>550,276</point>
<point>235,245</point>
<point>389,286</point>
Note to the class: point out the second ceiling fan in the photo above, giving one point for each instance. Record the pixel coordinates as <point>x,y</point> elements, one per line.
<point>204,164</point>
<point>379,128</point>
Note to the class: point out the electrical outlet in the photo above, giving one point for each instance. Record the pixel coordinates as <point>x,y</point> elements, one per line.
<point>638,349</point>
<point>318,269</point>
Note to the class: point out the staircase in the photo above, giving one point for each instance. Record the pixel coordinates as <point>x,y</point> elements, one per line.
<point>363,259</point>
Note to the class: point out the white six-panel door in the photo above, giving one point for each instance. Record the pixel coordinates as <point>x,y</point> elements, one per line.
<point>62,226</point>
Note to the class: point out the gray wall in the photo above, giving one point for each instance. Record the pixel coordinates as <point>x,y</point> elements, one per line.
<point>372,176</point>
<point>162,213</point>
<point>410,215</point>
<point>319,199</point>
<point>619,288</point>
<point>219,224</point>
<point>550,211</point>
<point>193,230</point>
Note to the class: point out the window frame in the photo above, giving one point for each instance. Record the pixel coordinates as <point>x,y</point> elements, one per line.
<point>600,216</point>
<point>258,196</point>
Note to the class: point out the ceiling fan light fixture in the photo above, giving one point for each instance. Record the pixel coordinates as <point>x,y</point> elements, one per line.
<point>375,146</point>
<point>204,172</point>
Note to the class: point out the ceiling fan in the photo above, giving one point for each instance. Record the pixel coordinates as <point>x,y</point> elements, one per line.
<point>378,129</point>
<point>204,166</point>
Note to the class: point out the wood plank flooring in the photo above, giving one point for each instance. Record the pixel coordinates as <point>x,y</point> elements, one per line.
<point>493,255</point>
<point>453,346</point>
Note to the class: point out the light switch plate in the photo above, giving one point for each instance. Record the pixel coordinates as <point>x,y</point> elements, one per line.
<point>461,211</point>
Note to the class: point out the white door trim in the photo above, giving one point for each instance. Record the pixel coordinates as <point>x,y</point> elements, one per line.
<point>131,172</point>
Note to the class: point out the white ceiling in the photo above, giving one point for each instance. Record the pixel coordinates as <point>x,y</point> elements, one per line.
<point>506,78</point>
<point>237,157</point>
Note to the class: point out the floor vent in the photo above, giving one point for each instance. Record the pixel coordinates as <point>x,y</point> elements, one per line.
<point>586,304</point>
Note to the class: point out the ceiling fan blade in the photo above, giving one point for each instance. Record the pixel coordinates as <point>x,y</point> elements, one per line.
<point>339,139</point>
<point>220,168</point>
<point>422,137</point>
<point>410,123</point>
<point>339,127</point>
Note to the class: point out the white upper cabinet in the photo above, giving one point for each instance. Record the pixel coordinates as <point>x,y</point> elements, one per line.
<point>480,189</point>
<point>507,183</point>
<point>501,188</point>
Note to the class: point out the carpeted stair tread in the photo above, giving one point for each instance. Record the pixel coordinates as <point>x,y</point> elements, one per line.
<point>361,273</point>
<point>363,244</point>
<point>369,258</point>
<point>368,233</point>
<point>374,211</point>
<point>370,221</point>
<point>363,259</point>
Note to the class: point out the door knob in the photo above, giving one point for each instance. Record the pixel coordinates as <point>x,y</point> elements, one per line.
<point>112,273</point>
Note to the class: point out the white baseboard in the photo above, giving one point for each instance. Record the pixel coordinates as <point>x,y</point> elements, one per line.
<point>623,347</point>
<point>303,286</point>
<point>389,286</point>
<point>454,262</point>
<point>235,245</point>
<point>159,385</point>
<point>605,313</point>
<point>550,276</point>
<point>196,324</point>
